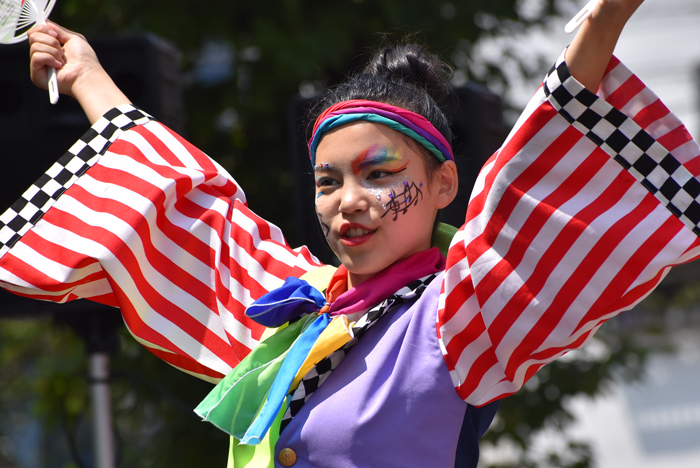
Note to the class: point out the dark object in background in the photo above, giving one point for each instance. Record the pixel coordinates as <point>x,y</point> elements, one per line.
<point>34,134</point>
<point>476,118</point>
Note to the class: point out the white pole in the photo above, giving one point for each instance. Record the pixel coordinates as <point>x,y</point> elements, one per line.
<point>102,429</point>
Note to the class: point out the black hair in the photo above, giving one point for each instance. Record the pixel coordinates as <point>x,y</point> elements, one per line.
<point>404,75</point>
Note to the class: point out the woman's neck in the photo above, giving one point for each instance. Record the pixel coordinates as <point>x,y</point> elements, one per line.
<point>356,280</point>
<point>417,260</point>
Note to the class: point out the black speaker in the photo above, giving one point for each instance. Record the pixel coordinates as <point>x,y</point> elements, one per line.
<point>476,117</point>
<point>34,134</point>
<point>307,231</point>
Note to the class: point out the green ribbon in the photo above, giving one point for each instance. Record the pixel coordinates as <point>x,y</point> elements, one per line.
<point>236,401</point>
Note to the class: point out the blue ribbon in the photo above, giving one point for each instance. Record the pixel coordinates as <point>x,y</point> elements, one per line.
<point>292,300</point>
<point>290,366</point>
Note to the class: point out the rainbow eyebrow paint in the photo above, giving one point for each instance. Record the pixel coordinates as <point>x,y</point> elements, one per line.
<point>374,155</point>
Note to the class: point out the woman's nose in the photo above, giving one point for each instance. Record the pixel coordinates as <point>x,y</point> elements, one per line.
<point>354,199</point>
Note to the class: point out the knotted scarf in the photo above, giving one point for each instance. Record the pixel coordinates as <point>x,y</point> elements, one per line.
<point>251,397</point>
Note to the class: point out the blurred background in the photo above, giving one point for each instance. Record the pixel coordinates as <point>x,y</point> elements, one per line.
<point>235,79</point>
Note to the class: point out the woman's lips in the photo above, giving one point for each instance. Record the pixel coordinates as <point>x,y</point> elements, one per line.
<point>353,234</point>
<point>356,232</point>
<point>355,241</point>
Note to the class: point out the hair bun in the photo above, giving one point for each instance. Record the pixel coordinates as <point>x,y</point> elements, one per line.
<point>411,63</point>
<point>403,75</point>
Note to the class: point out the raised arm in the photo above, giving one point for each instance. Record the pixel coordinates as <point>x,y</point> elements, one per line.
<point>136,217</point>
<point>592,48</point>
<point>79,72</point>
<point>591,200</point>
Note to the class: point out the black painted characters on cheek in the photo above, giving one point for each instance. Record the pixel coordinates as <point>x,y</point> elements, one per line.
<point>401,202</point>
<point>326,228</point>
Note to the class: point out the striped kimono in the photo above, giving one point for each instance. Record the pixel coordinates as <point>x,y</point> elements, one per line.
<point>581,213</point>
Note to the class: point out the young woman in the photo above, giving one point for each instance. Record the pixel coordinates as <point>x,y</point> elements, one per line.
<point>581,213</point>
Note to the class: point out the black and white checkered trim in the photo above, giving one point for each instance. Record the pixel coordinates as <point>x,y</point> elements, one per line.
<point>619,136</point>
<point>317,375</point>
<point>28,210</point>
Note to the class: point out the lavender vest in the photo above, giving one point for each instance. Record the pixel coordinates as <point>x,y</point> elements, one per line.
<point>390,403</point>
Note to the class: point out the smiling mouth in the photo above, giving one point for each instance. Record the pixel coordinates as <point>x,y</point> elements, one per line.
<point>356,232</point>
<point>354,235</point>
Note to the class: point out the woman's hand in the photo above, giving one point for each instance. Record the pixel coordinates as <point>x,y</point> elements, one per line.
<point>66,51</point>
<point>79,73</point>
<point>591,50</point>
<point>612,15</point>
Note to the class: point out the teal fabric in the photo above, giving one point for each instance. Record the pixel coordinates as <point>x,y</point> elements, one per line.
<point>339,120</point>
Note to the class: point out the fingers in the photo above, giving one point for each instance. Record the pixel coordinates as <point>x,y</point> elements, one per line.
<point>43,43</point>
<point>39,65</point>
<point>59,33</point>
<point>45,49</point>
<point>42,33</point>
<point>53,46</point>
<point>45,56</point>
<point>63,34</point>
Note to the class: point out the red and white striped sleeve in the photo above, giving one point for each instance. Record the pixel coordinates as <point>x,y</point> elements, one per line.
<point>584,209</point>
<point>135,217</point>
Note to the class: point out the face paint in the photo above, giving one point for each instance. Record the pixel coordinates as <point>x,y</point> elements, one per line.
<point>401,201</point>
<point>319,180</point>
<point>374,155</point>
<point>378,193</point>
<point>382,195</point>
<point>326,228</point>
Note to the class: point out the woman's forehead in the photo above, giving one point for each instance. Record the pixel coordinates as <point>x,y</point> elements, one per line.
<point>355,138</point>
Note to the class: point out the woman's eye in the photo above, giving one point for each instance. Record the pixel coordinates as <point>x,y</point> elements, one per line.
<point>378,174</point>
<point>325,182</point>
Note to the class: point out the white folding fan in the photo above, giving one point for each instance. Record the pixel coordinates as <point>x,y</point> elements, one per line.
<point>581,16</point>
<point>16,18</point>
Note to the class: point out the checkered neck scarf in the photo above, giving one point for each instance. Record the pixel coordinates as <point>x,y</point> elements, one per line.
<point>316,376</point>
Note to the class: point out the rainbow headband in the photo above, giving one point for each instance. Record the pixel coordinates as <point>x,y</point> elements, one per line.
<point>409,123</point>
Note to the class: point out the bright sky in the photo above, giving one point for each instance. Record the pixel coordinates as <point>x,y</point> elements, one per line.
<point>661,44</point>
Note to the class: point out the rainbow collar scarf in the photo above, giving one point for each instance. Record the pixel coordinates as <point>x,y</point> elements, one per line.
<point>251,397</point>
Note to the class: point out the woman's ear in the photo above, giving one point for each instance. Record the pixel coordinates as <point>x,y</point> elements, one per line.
<point>447,183</point>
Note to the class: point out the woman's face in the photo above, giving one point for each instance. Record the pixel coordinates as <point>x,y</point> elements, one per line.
<point>373,199</point>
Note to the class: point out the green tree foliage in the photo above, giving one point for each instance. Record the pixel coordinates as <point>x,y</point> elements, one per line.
<point>541,404</point>
<point>44,382</point>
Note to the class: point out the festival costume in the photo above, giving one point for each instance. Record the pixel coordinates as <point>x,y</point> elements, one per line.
<point>581,213</point>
